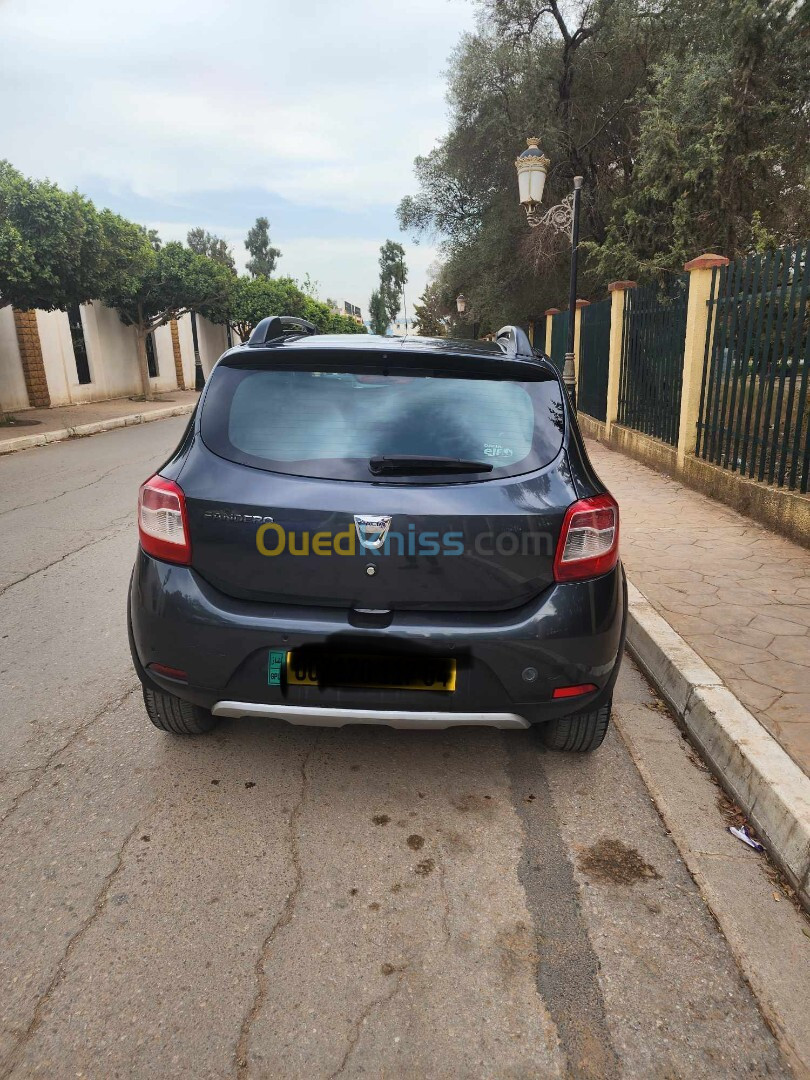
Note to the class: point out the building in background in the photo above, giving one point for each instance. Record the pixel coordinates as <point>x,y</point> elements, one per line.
<point>353,311</point>
<point>346,307</point>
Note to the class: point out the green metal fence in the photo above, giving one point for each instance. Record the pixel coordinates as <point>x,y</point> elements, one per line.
<point>538,335</point>
<point>653,333</point>
<point>559,339</point>
<point>594,358</point>
<point>754,407</point>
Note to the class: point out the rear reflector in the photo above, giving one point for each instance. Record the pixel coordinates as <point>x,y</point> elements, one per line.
<point>162,522</point>
<point>589,539</point>
<point>169,672</point>
<point>573,691</point>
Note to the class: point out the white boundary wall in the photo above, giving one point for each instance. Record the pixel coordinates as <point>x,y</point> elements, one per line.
<point>13,395</point>
<point>111,356</point>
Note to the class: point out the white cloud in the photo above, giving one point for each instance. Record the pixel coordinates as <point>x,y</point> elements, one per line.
<point>327,101</point>
<point>185,103</point>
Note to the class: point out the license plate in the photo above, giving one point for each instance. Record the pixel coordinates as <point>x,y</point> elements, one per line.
<point>371,672</point>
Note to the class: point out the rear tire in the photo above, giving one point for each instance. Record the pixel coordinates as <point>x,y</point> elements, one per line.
<point>581,733</point>
<point>170,713</point>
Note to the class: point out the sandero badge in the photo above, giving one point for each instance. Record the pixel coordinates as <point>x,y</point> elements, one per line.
<point>525,630</point>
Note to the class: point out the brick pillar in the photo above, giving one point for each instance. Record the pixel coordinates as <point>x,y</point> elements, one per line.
<point>36,382</point>
<point>697,325</point>
<point>178,356</point>
<point>549,314</point>
<point>580,304</point>
<point>617,290</point>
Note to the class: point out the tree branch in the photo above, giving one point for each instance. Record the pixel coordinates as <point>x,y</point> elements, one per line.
<point>601,128</point>
<point>560,21</point>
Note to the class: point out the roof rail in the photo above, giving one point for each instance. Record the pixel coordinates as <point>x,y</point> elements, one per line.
<point>514,341</point>
<point>276,328</point>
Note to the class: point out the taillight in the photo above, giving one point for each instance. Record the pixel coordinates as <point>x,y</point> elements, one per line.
<point>162,521</point>
<point>563,691</point>
<point>589,539</point>
<point>173,672</point>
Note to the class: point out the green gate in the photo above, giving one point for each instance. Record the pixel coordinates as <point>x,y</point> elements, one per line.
<point>653,335</point>
<point>754,406</point>
<point>594,358</point>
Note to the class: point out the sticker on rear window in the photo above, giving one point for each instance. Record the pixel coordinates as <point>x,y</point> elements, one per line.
<point>497,450</point>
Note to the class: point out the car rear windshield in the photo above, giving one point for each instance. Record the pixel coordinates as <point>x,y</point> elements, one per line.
<point>334,424</point>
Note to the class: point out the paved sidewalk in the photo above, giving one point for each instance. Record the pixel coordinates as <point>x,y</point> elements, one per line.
<point>736,592</point>
<point>42,421</point>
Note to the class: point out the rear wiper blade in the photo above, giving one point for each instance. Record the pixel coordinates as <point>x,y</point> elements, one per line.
<point>412,466</point>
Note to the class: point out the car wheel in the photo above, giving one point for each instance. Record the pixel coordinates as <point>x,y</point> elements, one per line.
<point>169,713</point>
<point>578,733</point>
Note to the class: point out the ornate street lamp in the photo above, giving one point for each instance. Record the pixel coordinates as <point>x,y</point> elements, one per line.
<point>532,168</point>
<point>461,307</point>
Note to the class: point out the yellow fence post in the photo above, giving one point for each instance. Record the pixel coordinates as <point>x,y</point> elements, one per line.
<point>697,324</point>
<point>33,365</point>
<point>617,290</point>
<point>549,314</point>
<point>178,356</point>
<point>580,304</point>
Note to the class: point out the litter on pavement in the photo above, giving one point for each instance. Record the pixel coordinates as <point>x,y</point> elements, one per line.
<point>742,834</point>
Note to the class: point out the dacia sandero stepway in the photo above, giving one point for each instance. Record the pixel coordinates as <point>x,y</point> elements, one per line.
<point>370,530</point>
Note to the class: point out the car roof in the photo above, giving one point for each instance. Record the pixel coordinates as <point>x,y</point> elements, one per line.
<point>457,346</point>
<point>410,351</point>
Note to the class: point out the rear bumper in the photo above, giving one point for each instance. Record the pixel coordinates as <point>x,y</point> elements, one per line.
<point>311,716</point>
<point>572,634</point>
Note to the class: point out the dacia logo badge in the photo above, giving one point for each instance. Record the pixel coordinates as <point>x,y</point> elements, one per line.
<point>372,531</point>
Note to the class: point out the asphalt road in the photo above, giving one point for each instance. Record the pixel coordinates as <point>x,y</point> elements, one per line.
<point>283,902</point>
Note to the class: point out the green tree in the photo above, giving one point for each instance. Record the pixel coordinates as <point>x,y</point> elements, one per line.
<point>431,312</point>
<point>684,119</point>
<point>56,249</point>
<point>154,286</point>
<point>202,242</point>
<point>263,256</point>
<point>528,70</point>
<point>254,299</point>
<point>393,275</point>
<point>378,313</point>
<point>723,154</point>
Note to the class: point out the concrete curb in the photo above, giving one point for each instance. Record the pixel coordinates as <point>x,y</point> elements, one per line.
<point>26,442</point>
<point>760,776</point>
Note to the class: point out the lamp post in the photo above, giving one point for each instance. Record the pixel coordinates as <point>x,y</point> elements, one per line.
<point>532,168</point>
<point>461,307</point>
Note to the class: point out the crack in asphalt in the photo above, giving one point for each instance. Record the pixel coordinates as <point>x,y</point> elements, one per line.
<point>114,525</point>
<point>354,1035</point>
<point>446,899</point>
<point>10,1061</point>
<point>71,491</point>
<point>42,770</point>
<point>240,1064</point>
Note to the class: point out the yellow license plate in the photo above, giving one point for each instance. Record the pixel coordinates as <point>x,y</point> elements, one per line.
<point>371,672</point>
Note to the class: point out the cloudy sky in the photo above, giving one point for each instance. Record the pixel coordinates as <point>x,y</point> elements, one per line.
<point>186,112</point>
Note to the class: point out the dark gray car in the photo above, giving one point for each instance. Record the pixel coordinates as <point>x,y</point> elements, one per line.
<point>380,531</point>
